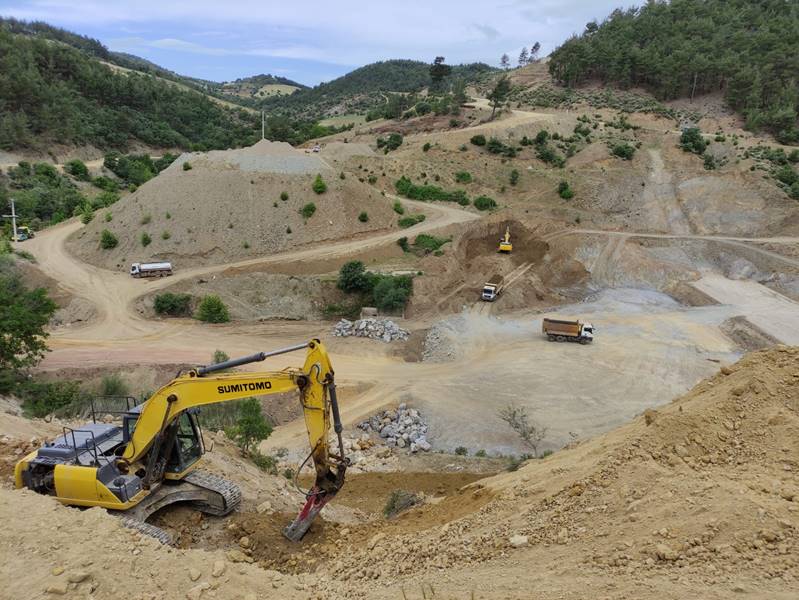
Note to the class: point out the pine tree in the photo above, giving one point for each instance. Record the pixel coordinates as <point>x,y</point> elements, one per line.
<point>504,62</point>
<point>534,50</point>
<point>524,57</point>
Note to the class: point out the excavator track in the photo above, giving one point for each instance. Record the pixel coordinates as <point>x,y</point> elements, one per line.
<point>229,492</point>
<point>147,529</point>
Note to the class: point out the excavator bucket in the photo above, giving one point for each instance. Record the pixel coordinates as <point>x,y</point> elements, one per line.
<point>302,523</point>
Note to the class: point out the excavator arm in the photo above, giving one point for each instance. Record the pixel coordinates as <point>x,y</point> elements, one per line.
<point>206,385</point>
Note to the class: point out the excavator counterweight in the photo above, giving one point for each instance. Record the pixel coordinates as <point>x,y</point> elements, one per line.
<point>149,460</point>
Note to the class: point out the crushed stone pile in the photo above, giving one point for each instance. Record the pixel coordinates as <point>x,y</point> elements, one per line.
<point>401,428</point>
<point>375,329</point>
<point>262,157</point>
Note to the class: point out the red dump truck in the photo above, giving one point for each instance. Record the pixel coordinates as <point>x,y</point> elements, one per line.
<point>558,330</point>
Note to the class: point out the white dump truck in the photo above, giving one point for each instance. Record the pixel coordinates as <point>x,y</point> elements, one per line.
<point>159,269</point>
<point>558,330</point>
<point>492,288</point>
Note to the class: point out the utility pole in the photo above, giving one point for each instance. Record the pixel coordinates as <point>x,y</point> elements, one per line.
<point>13,217</point>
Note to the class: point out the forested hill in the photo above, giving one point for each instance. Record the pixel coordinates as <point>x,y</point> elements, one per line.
<point>54,92</point>
<point>749,50</point>
<point>362,88</point>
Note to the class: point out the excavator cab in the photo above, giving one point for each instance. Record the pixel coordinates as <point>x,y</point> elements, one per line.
<point>505,243</point>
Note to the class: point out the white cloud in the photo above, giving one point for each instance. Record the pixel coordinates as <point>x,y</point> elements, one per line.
<point>348,32</point>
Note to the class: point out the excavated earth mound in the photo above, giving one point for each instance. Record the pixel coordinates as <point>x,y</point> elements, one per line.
<point>229,207</point>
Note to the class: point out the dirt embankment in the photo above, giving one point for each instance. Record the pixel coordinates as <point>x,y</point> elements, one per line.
<point>229,206</point>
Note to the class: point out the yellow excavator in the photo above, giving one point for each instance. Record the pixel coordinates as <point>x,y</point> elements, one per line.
<point>505,243</point>
<point>148,459</point>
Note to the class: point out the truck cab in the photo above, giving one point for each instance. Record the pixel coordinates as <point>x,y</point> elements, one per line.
<point>489,292</point>
<point>135,269</point>
<point>587,332</point>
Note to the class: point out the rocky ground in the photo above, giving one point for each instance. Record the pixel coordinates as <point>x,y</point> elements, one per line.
<point>385,330</point>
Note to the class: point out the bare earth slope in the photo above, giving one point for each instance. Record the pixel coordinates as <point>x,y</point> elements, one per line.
<point>228,206</point>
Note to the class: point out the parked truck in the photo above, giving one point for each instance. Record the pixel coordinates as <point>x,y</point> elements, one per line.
<point>558,330</point>
<point>159,269</point>
<point>492,289</point>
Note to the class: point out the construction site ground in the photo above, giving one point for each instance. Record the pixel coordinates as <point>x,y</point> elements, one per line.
<point>675,452</point>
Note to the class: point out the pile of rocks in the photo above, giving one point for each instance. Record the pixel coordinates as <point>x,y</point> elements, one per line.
<point>375,329</point>
<point>403,428</point>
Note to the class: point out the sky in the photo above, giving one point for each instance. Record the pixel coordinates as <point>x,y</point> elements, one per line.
<point>311,41</point>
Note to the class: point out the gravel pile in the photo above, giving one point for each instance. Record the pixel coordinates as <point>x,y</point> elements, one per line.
<point>263,157</point>
<point>440,344</point>
<point>375,329</point>
<point>403,428</point>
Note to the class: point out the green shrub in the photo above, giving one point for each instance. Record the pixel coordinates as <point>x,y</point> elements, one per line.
<point>541,137</point>
<point>709,161</point>
<point>284,196</point>
<point>399,501</point>
<point>514,177</point>
<point>363,217</point>
<point>429,243</point>
<point>403,243</point>
<point>394,141</point>
<point>308,210</point>
<point>145,220</point>
<point>426,147</point>
<point>105,199</point>
<point>187,166</point>
<point>108,240</point>
<point>786,175</point>
<point>108,217</point>
<point>410,220</point>
<point>623,150</point>
<point>391,292</point>
<point>372,179</point>
<point>165,235</point>
<point>793,191</point>
<point>245,245</point>
<point>564,191</point>
<point>545,153</point>
<point>265,462</point>
<point>145,239</point>
<point>87,215</point>
<point>173,305</point>
<point>461,451</point>
<point>494,146</point>
<point>42,399</point>
<point>406,188</point>
<point>463,177</point>
<point>352,277</point>
<point>342,176</point>
<point>212,310</point>
<point>484,203</point>
<point>251,427</point>
<point>113,385</point>
<point>481,453</point>
<point>691,140</point>
<point>78,169</point>
<point>319,186</point>
<point>398,208</point>
<point>105,183</point>
<point>478,140</point>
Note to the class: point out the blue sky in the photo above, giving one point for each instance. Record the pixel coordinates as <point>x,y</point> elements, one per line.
<point>312,40</point>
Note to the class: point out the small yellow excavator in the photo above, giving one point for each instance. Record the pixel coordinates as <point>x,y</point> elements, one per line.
<point>504,242</point>
<point>150,459</point>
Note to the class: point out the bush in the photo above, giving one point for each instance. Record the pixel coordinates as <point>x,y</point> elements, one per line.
<point>427,193</point>
<point>265,462</point>
<point>42,399</point>
<point>429,243</point>
<point>426,147</point>
<point>113,385</point>
<point>284,196</point>
<point>398,501</point>
<point>461,451</point>
<point>251,426</point>
<point>484,203</point>
<point>481,453</point>
<point>187,166</point>
<point>212,310</point>
<point>105,199</point>
<point>541,137</point>
<point>372,179</point>
<point>403,243</point>
<point>108,240</point>
<point>87,215</point>
<point>786,175</point>
<point>165,235</point>
<point>394,141</point>
<point>494,146</point>
<point>104,183</point>
<point>463,177</point>
<point>391,292</point>
<point>514,177</point>
<point>145,220</point>
<point>478,140</point>
<point>109,217</point>
<point>363,217</point>
<point>624,151</point>
<point>793,192</point>
<point>398,208</point>
<point>546,154</point>
<point>173,305</point>
<point>410,221</point>
<point>319,186</point>
<point>308,210</point>
<point>78,169</point>
<point>352,277</point>
<point>564,191</point>
<point>145,239</point>
<point>691,140</point>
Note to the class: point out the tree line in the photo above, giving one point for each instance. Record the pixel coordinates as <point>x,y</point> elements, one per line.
<point>682,48</point>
